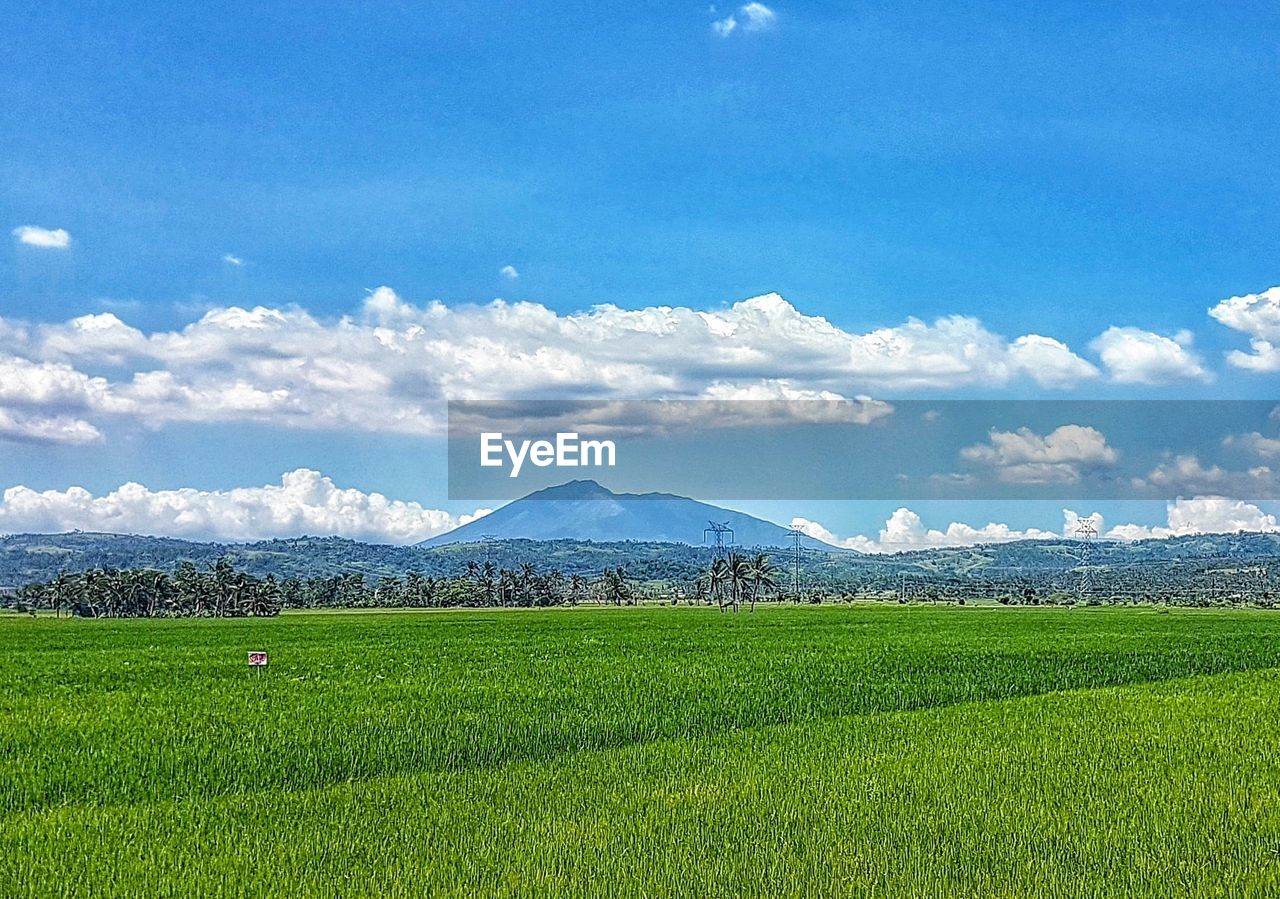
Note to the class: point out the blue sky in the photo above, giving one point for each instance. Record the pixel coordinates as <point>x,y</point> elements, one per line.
<point>1054,169</point>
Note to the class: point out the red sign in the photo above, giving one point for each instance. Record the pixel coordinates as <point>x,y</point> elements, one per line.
<point>258,659</point>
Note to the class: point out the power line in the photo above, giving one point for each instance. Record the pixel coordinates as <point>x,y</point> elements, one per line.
<point>797,555</point>
<point>719,529</point>
<point>1086,530</point>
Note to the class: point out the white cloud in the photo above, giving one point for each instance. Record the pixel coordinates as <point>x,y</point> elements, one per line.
<point>757,17</point>
<point>304,502</point>
<point>52,387</point>
<point>1186,474</point>
<point>904,531</point>
<point>1255,443</point>
<point>1025,457</point>
<point>724,27</point>
<point>45,238</point>
<point>1201,515</point>
<point>389,368</point>
<point>1134,356</point>
<point>1257,315</point>
<point>509,272</point>
<point>1050,362</point>
<point>751,17</point>
<point>102,336</point>
<point>232,260</point>
<point>63,429</point>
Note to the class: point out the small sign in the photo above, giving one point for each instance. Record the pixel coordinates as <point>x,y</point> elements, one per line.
<point>258,659</point>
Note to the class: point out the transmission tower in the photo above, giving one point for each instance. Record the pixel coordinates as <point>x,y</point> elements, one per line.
<point>719,529</point>
<point>1086,530</point>
<point>488,540</point>
<point>797,556</point>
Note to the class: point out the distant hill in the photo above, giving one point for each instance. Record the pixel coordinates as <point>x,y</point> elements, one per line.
<point>25,558</point>
<point>584,510</point>
<point>1214,561</point>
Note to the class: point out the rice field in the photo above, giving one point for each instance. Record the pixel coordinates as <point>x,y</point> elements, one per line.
<point>863,751</point>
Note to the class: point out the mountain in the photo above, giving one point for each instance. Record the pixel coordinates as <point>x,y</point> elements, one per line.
<point>584,510</point>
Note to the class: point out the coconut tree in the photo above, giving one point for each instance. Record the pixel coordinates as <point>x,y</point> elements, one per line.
<point>63,593</point>
<point>717,580</point>
<point>489,578</point>
<point>739,569</point>
<point>528,574</point>
<point>763,577</point>
<point>508,582</point>
<point>266,597</point>
<point>614,583</point>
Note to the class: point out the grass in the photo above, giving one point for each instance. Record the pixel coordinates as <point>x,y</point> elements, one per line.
<point>863,751</point>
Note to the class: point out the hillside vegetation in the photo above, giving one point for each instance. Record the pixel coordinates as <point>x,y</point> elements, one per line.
<point>1205,568</point>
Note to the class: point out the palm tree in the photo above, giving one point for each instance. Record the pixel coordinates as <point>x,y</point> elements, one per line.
<point>507,583</point>
<point>614,582</point>
<point>553,585</point>
<point>159,588</point>
<point>717,578</point>
<point>90,593</point>
<point>739,576</point>
<point>63,593</point>
<point>266,597</point>
<point>489,578</point>
<point>763,576</point>
<point>528,572</point>
<point>413,589</point>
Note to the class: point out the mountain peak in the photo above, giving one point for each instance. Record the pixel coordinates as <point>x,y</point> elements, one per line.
<point>581,489</point>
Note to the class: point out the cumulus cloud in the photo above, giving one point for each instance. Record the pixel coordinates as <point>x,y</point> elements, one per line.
<point>54,388</point>
<point>1258,316</point>
<point>44,238</point>
<point>229,259</point>
<point>1255,443</point>
<point>1025,457</point>
<point>1135,356</point>
<point>751,17</point>
<point>904,531</point>
<point>1185,473</point>
<point>389,368</point>
<point>1201,515</point>
<point>509,272</point>
<point>1050,361</point>
<point>61,429</point>
<point>304,502</point>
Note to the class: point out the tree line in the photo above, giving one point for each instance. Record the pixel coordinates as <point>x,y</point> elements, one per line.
<point>223,591</point>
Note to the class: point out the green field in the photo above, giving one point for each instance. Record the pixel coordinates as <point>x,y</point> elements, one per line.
<point>871,750</point>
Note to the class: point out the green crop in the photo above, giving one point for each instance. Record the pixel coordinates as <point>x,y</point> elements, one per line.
<point>879,751</point>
